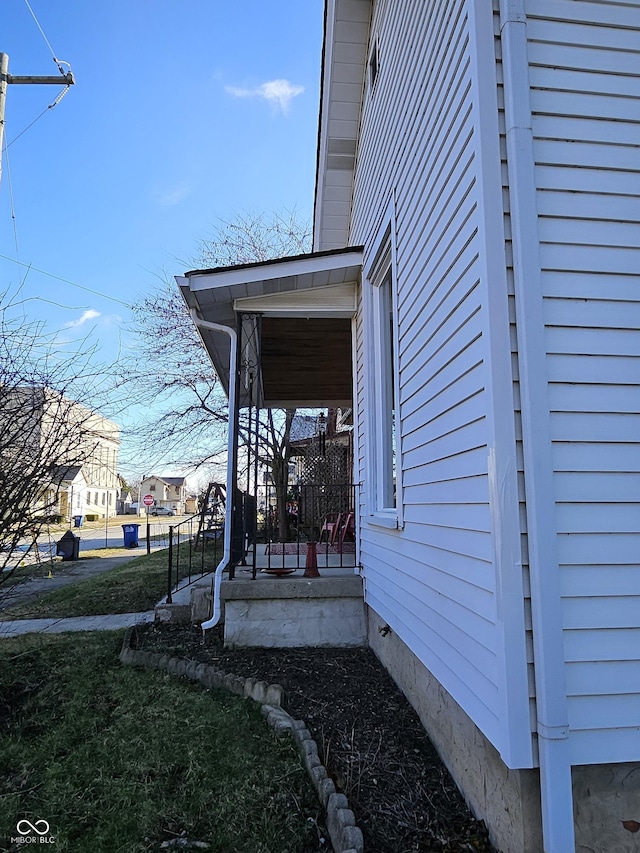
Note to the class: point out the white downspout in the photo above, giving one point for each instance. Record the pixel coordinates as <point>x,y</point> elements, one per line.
<point>546,602</point>
<point>226,556</point>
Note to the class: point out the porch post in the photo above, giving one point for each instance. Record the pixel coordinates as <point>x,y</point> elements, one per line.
<point>258,391</point>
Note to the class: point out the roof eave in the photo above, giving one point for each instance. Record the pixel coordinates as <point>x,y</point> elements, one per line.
<point>344,59</point>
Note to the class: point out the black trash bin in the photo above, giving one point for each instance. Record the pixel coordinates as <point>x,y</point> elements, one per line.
<point>68,547</point>
<point>77,520</point>
<point>130,532</point>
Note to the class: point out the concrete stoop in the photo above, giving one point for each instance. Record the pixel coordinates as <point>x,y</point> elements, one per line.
<point>190,604</point>
<point>345,836</point>
<point>287,612</point>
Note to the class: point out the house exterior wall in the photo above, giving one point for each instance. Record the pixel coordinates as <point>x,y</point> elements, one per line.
<point>450,581</point>
<point>583,64</point>
<point>441,580</point>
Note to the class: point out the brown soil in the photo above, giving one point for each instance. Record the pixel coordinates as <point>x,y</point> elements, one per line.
<point>369,738</point>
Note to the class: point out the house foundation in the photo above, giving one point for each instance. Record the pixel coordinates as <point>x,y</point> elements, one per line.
<point>507,800</point>
<point>606,796</point>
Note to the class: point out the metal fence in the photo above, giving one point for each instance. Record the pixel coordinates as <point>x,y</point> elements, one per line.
<point>279,527</point>
<point>193,551</point>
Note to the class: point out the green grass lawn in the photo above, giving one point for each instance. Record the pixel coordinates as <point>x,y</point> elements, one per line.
<point>119,759</point>
<point>129,588</point>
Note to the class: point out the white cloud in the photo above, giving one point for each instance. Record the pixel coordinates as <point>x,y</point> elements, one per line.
<point>111,320</point>
<point>279,93</point>
<point>91,314</point>
<point>174,195</point>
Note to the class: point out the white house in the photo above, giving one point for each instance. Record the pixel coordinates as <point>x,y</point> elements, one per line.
<point>476,268</point>
<point>67,494</point>
<point>168,492</point>
<point>76,447</point>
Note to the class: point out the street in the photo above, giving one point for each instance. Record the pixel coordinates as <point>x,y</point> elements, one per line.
<point>95,534</point>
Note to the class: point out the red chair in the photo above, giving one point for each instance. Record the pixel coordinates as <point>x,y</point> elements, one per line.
<point>348,529</point>
<point>331,526</point>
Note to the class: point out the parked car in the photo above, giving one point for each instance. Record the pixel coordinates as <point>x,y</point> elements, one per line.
<point>161,510</point>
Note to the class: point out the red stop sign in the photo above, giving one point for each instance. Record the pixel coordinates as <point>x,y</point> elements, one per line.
<point>147,500</point>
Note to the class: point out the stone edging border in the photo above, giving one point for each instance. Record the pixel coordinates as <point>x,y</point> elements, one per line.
<point>345,836</point>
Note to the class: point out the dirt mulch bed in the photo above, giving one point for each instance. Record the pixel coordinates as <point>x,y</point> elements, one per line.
<point>369,738</point>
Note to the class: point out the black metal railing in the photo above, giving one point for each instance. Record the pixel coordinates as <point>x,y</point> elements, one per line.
<point>194,550</point>
<point>280,526</point>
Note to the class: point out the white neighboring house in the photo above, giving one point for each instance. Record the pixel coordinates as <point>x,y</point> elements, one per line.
<point>101,470</point>
<point>89,483</point>
<point>68,495</point>
<point>477,228</point>
<point>168,492</point>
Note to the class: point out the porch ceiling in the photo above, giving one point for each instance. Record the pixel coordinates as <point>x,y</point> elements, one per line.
<point>306,362</point>
<point>305,303</point>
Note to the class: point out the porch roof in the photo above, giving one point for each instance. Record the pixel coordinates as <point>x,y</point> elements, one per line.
<point>296,324</point>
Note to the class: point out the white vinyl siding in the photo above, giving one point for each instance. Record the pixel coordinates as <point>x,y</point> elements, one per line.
<point>585,98</point>
<point>434,581</point>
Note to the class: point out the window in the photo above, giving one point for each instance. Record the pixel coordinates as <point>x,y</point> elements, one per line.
<point>96,500</point>
<point>385,393</point>
<point>152,488</point>
<point>382,440</point>
<point>104,499</point>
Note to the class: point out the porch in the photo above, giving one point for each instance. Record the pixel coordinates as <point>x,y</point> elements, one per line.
<point>279,335</point>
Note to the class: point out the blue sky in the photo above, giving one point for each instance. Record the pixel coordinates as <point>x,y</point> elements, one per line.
<point>184,112</point>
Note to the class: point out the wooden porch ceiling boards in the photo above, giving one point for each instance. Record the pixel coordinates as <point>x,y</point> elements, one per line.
<point>306,362</point>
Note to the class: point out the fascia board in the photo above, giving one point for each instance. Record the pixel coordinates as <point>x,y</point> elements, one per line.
<point>285,269</point>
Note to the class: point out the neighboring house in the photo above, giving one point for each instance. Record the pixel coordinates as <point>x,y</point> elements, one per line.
<point>169,492</point>
<point>100,470</point>
<point>477,252</point>
<point>124,500</point>
<point>67,495</point>
<point>85,447</point>
<point>321,449</point>
<point>191,504</point>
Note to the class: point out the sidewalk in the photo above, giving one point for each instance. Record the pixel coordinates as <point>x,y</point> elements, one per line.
<point>113,622</point>
<point>67,573</point>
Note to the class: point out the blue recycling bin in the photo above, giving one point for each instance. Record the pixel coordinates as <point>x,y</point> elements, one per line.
<point>77,520</point>
<point>130,532</point>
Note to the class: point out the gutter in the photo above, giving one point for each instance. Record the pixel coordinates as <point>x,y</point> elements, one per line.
<point>546,601</point>
<point>226,556</point>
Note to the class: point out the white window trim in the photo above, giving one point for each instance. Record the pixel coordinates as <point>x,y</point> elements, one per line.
<point>375,447</point>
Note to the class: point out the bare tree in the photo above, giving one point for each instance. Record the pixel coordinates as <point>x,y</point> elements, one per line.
<point>168,371</point>
<point>254,237</point>
<point>46,434</point>
<point>181,406</point>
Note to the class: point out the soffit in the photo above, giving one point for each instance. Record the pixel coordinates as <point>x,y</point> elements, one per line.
<point>346,39</point>
<point>301,286</point>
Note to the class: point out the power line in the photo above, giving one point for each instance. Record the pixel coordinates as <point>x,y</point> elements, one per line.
<point>53,104</point>
<point>67,281</point>
<point>47,42</point>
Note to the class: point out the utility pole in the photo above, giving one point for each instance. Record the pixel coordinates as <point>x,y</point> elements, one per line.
<point>63,79</point>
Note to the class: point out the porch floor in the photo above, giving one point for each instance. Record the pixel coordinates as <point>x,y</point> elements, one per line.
<point>294,559</point>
